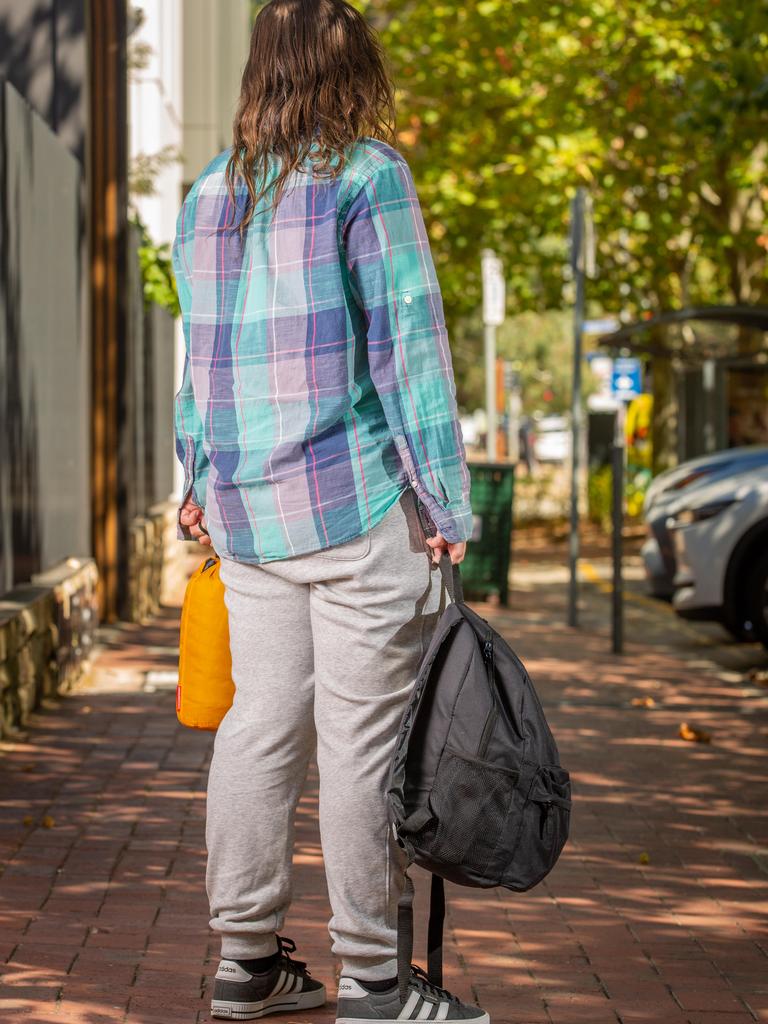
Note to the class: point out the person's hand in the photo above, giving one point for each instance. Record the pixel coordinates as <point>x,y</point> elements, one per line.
<point>440,545</point>
<point>192,516</point>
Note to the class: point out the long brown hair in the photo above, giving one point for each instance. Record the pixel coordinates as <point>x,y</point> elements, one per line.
<point>315,82</point>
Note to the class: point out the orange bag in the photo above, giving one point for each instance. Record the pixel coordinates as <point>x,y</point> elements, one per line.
<point>205,689</point>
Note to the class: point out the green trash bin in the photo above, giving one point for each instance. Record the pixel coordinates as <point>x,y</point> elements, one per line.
<point>485,569</point>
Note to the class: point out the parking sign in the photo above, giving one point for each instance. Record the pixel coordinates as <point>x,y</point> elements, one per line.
<point>627,379</point>
<point>494,302</point>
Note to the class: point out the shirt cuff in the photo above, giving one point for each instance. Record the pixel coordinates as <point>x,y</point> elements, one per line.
<point>452,519</point>
<point>455,524</point>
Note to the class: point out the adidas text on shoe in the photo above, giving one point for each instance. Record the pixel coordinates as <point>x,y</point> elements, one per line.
<point>240,995</point>
<point>425,1002</point>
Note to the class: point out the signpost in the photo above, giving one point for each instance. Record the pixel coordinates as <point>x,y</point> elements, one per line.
<point>626,384</point>
<point>494,310</point>
<point>514,403</point>
<point>582,265</point>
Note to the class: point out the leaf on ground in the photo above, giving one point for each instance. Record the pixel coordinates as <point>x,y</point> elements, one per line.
<point>693,735</point>
<point>643,702</point>
<point>48,821</point>
<point>644,858</point>
<point>28,820</point>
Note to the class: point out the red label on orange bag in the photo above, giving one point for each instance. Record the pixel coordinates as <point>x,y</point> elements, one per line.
<point>178,698</point>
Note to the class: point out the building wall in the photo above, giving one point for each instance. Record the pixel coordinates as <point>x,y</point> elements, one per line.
<point>155,99</point>
<point>44,357</point>
<point>185,96</point>
<point>216,39</point>
<point>43,55</point>
<point>44,502</point>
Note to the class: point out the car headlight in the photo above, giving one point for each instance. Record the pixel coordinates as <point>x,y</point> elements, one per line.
<point>688,516</point>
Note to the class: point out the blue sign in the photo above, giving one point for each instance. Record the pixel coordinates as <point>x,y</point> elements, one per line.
<point>627,379</point>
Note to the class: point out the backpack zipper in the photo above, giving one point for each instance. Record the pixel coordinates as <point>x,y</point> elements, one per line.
<point>490,721</point>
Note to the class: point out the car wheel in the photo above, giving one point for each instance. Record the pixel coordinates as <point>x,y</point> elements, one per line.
<point>739,623</point>
<point>756,599</point>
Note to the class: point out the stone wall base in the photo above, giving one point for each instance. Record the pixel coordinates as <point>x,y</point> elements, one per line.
<point>145,566</point>
<point>48,626</point>
<point>47,633</point>
<point>158,565</point>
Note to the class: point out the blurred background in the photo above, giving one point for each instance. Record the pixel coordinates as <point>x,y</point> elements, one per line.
<point>605,162</point>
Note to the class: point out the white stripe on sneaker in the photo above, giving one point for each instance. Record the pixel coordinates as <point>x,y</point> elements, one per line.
<point>442,1011</point>
<point>410,1006</point>
<point>279,984</point>
<point>424,1011</point>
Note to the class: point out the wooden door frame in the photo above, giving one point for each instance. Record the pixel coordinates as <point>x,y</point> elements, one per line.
<point>107,163</point>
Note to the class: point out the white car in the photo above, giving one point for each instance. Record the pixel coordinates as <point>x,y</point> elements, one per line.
<point>552,439</point>
<point>665,491</point>
<point>720,535</point>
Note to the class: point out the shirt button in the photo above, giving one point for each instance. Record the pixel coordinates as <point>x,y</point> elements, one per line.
<point>407,299</point>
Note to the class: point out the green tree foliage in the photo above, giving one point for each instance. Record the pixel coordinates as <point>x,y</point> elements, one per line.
<point>158,281</point>
<point>659,107</point>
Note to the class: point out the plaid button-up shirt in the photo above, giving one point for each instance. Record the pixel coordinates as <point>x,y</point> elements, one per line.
<point>318,382</point>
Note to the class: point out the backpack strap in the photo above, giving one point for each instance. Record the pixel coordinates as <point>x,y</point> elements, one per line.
<point>434,934</point>
<point>452,579</point>
<point>449,571</point>
<point>435,931</point>
<point>405,938</point>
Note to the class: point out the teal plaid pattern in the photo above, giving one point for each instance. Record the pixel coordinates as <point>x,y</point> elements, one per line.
<point>317,382</point>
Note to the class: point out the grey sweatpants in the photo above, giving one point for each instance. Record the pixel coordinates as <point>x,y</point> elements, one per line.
<point>325,650</point>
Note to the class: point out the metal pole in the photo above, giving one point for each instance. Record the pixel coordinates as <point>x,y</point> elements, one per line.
<point>577,264</point>
<point>617,517</point>
<point>493,317</point>
<point>514,406</point>
<point>490,390</point>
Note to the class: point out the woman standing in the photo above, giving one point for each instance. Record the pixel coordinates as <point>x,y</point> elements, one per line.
<point>317,409</point>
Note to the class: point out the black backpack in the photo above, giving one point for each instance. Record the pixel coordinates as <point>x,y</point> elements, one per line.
<point>476,792</point>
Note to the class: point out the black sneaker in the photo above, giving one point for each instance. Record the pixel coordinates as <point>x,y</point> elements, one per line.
<point>425,1002</point>
<point>240,995</point>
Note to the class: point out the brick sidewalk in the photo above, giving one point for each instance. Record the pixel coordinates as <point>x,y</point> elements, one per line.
<point>652,915</point>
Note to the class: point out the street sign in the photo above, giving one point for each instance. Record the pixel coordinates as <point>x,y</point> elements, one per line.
<point>601,325</point>
<point>627,379</point>
<point>494,300</point>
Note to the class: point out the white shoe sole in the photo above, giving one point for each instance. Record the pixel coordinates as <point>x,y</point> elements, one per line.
<point>223,1009</point>
<point>485,1019</point>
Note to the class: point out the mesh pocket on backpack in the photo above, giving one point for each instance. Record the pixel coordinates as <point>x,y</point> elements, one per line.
<point>470,800</point>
